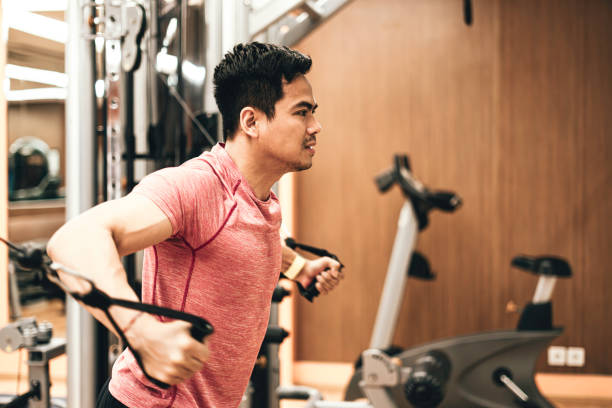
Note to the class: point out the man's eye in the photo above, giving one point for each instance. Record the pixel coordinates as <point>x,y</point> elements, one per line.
<point>302,112</point>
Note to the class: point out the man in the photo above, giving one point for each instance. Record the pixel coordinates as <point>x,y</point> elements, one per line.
<point>211,232</point>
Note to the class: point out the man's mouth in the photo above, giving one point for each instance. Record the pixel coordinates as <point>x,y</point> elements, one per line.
<point>310,146</point>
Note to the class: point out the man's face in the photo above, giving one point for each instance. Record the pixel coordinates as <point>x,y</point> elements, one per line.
<point>290,136</point>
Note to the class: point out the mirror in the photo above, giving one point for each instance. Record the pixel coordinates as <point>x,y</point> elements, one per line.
<point>35,90</point>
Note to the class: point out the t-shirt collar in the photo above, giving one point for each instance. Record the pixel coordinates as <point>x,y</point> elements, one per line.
<point>233,175</point>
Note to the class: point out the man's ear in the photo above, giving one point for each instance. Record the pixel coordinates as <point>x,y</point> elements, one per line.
<point>248,121</point>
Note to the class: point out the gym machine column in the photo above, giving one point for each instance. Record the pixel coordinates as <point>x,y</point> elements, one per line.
<point>80,169</point>
<point>122,30</point>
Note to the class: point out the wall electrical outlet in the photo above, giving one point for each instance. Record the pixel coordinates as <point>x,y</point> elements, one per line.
<point>575,356</point>
<point>557,355</point>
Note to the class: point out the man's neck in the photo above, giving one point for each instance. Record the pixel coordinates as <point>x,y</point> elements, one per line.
<point>259,177</point>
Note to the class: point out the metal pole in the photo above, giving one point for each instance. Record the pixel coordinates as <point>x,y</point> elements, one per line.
<point>273,366</point>
<point>214,52</point>
<point>127,117</point>
<point>395,282</point>
<point>80,165</point>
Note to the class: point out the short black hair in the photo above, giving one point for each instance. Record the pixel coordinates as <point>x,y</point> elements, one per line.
<point>252,75</point>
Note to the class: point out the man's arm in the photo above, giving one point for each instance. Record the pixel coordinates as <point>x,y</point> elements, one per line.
<point>93,244</point>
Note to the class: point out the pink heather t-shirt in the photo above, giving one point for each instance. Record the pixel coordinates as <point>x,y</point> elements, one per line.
<point>222,263</point>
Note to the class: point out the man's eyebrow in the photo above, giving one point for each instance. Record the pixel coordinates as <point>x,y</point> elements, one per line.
<point>307,105</point>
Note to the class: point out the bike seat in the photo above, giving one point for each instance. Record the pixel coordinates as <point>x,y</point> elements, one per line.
<point>543,265</point>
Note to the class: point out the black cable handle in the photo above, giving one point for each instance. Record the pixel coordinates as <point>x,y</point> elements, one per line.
<point>311,291</point>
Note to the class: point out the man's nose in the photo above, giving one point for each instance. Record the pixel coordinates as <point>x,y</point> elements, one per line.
<point>315,127</point>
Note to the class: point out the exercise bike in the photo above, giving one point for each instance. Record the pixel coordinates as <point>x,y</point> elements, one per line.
<point>491,369</point>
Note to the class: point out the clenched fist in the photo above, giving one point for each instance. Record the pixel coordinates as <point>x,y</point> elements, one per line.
<point>167,350</point>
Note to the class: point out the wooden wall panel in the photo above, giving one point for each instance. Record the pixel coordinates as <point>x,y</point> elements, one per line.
<point>554,175</point>
<point>497,112</point>
<point>407,77</point>
<point>596,134</point>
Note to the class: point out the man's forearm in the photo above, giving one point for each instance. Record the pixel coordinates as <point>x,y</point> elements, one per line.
<point>88,248</point>
<point>292,263</point>
<point>289,256</point>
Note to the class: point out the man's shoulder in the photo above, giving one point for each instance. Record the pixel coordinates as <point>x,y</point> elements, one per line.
<point>197,168</point>
<point>193,174</point>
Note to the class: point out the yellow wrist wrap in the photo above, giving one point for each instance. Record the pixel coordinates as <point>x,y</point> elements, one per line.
<point>295,268</point>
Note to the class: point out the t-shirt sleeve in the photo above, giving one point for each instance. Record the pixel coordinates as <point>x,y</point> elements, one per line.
<point>192,199</point>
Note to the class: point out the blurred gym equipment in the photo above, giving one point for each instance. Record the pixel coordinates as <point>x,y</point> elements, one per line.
<point>27,285</point>
<point>33,170</point>
<point>42,347</point>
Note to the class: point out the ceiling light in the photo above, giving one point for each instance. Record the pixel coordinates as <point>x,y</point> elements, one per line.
<point>302,17</point>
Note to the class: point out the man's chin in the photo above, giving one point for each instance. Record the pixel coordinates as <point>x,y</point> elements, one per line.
<point>302,166</point>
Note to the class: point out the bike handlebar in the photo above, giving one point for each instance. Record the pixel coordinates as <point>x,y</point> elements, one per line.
<point>422,199</point>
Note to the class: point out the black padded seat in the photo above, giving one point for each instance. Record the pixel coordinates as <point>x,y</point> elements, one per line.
<point>543,265</point>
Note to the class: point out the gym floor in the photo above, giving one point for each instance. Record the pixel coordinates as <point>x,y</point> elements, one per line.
<point>596,394</point>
